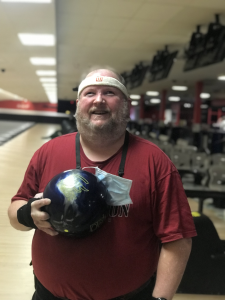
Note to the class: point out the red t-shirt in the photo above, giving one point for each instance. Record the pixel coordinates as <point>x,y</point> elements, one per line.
<point>123,254</point>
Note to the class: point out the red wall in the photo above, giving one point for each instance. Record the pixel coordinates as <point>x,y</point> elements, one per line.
<point>27,105</point>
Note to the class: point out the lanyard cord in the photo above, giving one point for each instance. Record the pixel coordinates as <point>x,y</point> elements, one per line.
<point>123,158</point>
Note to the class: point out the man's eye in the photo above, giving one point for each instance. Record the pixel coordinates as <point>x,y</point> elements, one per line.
<point>109,93</point>
<point>89,93</point>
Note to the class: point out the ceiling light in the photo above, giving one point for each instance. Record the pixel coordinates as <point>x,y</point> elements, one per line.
<point>179,88</point>
<point>134,103</point>
<point>10,96</point>
<point>28,1</point>
<point>47,79</point>
<point>187,105</point>
<point>50,88</point>
<point>52,96</point>
<point>135,97</point>
<point>205,95</point>
<point>50,84</point>
<point>222,77</point>
<point>174,98</point>
<point>154,100</point>
<point>29,39</point>
<point>152,93</point>
<point>203,106</point>
<point>47,61</point>
<point>46,73</point>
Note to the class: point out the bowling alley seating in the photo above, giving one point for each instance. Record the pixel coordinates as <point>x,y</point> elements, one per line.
<point>68,126</point>
<point>205,271</point>
<point>217,178</point>
<point>181,160</point>
<point>200,161</point>
<point>211,186</point>
<point>217,159</point>
<point>199,165</point>
<point>167,148</point>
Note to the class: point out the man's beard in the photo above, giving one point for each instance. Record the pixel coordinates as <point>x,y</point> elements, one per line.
<point>111,130</point>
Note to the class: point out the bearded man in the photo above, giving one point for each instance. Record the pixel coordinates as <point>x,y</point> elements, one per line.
<point>142,250</point>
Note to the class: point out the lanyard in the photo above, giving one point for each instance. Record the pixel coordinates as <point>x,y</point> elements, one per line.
<point>123,158</point>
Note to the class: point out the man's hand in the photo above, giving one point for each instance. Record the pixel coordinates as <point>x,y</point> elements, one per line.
<point>40,217</point>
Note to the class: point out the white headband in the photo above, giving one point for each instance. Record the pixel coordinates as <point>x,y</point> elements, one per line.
<point>102,80</point>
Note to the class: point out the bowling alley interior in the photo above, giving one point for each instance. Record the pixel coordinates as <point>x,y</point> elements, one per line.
<point>171,56</point>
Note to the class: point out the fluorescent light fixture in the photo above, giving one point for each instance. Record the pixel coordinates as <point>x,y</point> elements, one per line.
<point>50,89</point>
<point>46,73</point>
<point>48,79</point>
<point>154,100</point>
<point>152,93</point>
<point>28,1</point>
<point>134,103</point>
<point>204,106</point>
<point>135,97</point>
<point>187,105</point>
<point>204,95</point>
<point>222,77</point>
<point>179,88</point>
<point>29,39</point>
<point>43,61</point>
<point>174,98</point>
<point>50,84</point>
<point>10,96</point>
<point>52,96</point>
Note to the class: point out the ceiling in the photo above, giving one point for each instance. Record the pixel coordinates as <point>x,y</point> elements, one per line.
<point>101,33</point>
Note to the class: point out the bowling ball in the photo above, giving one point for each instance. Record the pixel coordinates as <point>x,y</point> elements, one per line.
<point>78,203</point>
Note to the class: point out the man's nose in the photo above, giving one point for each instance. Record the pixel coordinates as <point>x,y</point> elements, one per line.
<point>99,98</point>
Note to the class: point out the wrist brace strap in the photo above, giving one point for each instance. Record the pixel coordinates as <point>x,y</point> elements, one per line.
<point>24,214</point>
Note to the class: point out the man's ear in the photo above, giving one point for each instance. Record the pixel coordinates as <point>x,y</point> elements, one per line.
<point>77,101</point>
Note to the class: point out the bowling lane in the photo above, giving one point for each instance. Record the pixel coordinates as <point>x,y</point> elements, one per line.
<point>16,277</point>
<point>9,129</point>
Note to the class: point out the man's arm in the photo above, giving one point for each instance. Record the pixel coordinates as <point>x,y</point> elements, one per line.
<point>40,218</point>
<point>12,213</point>
<point>171,266</point>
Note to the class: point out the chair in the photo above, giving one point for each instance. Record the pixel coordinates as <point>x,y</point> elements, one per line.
<point>218,159</point>
<point>200,162</point>
<point>181,160</point>
<point>205,271</point>
<point>217,178</point>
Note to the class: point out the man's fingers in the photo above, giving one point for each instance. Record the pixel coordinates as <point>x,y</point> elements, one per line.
<point>39,203</point>
<point>39,195</point>
<point>49,231</point>
<point>43,224</point>
<point>39,215</point>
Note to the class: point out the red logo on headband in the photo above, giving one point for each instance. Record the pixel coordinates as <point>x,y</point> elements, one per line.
<point>99,79</point>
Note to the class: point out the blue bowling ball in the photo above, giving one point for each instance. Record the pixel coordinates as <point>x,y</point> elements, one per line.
<point>78,203</point>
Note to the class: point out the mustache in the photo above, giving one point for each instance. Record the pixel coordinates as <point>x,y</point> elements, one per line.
<point>95,109</point>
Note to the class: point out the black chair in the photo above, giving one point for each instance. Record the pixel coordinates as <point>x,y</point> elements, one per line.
<point>205,271</point>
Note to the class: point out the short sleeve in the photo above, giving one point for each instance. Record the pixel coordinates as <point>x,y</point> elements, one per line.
<point>172,218</point>
<point>30,183</point>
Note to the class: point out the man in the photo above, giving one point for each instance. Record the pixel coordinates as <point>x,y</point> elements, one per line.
<point>120,260</point>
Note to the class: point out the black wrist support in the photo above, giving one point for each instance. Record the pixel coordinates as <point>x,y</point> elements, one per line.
<point>24,214</point>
